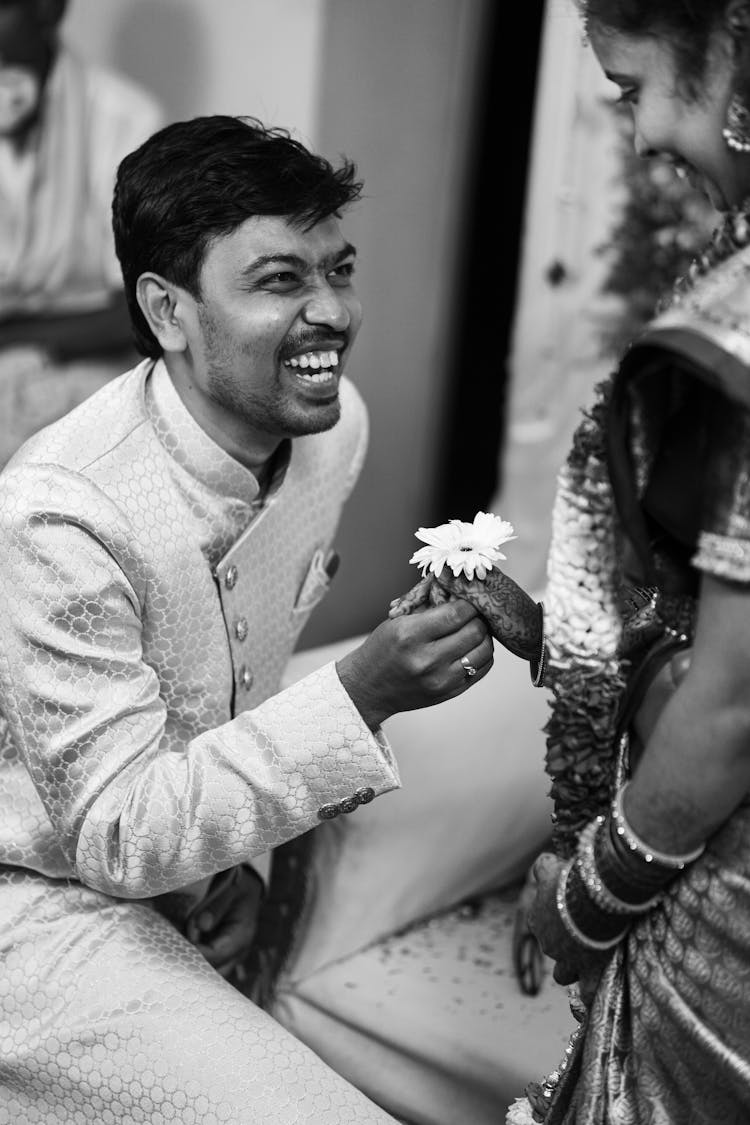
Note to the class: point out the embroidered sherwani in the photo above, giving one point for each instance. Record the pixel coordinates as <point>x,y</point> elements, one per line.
<point>149,601</point>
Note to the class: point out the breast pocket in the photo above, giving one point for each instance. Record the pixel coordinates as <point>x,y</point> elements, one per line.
<point>315,584</point>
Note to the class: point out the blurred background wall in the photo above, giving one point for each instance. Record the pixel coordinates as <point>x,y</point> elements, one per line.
<point>421,94</point>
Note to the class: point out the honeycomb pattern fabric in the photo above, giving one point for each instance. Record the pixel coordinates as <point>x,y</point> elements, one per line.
<point>148,604</point>
<point>109,1017</point>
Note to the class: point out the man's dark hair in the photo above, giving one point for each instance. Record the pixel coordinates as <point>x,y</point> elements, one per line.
<point>194,181</point>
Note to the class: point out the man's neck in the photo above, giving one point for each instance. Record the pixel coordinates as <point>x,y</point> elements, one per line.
<point>254,450</point>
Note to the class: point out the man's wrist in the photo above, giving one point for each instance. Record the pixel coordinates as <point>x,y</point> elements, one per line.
<point>355,685</point>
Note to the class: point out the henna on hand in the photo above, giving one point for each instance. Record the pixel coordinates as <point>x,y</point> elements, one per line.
<point>514,618</point>
<point>416,598</point>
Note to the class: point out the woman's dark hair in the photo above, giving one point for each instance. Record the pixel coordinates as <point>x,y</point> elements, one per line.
<point>686,24</point>
<point>194,181</point>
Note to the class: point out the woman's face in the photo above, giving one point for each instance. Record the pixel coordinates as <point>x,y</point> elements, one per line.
<point>667,120</point>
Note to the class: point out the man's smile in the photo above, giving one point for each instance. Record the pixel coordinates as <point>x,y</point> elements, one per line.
<point>315,367</point>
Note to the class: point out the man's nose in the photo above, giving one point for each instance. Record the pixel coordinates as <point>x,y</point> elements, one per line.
<point>326,307</point>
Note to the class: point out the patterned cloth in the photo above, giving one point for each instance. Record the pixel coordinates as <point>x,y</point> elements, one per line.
<point>149,600</point>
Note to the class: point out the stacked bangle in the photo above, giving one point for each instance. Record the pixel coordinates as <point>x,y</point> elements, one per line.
<point>587,925</point>
<point>537,677</point>
<point>613,877</point>
<point>591,862</point>
<point>622,831</point>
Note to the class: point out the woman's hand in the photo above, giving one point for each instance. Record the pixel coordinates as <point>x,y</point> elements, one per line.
<point>513,617</point>
<point>425,593</point>
<point>572,961</point>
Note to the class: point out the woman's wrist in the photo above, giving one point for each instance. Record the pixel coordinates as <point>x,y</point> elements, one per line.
<point>613,878</point>
<point>538,663</point>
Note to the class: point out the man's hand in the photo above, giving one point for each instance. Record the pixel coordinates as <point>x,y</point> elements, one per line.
<point>414,661</point>
<point>572,961</point>
<point>222,926</point>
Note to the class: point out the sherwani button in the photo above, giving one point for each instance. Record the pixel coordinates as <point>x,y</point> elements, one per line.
<point>365,795</point>
<point>241,628</point>
<point>328,812</point>
<point>230,578</point>
<point>245,677</point>
<point>349,804</point>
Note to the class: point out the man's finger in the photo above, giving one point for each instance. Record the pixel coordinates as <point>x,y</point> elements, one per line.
<point>436,622</point>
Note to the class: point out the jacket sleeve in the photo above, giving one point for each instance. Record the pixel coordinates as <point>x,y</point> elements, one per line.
<point>138,811</point>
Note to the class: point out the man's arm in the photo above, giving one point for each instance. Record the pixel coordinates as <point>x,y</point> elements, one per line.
<point>139,805</point>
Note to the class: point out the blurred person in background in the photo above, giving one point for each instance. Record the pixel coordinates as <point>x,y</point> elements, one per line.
<point>65,124</point>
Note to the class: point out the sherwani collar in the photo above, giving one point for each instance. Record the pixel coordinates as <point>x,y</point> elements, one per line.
<point>190,446</point>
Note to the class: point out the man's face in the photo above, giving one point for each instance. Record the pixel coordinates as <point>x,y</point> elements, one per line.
<point>25,52</point>
<point>269,337</point>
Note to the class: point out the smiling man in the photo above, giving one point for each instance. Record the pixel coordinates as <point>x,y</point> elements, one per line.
<point>161,548</point>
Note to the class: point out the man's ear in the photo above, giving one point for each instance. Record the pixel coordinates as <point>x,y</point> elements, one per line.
<point>158,300</point>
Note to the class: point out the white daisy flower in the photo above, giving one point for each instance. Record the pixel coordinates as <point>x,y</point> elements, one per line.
<point>468,548</point>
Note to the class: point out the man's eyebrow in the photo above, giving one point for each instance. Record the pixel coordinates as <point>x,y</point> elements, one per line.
<point>294,260</point>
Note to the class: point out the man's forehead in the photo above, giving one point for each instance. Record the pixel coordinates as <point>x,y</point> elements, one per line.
<point>266,237</point>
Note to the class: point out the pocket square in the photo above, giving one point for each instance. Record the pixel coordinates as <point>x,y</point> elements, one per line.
<point>322,568</point>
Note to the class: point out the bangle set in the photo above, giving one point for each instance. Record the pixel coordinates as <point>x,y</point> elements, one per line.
<point>672,863</point>
<point>592,866</point>
<point>613,877</point>
<point>569,909</point>
<point>537,678</point>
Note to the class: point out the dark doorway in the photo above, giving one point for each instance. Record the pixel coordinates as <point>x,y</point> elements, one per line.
<point>474,426</point>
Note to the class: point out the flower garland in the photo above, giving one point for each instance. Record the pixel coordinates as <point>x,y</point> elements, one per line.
<point>583,626</point>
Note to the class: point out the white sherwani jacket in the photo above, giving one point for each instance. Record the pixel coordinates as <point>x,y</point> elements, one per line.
<point>148,606</point>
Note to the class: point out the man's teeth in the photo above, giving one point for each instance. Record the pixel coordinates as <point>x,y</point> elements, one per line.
<point>318,367</point>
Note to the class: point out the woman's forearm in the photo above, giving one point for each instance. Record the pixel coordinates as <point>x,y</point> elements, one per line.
<point>694,770</point>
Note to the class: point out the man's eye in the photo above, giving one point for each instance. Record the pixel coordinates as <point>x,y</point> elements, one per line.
<point>285,279</point>
<point>342,274</point>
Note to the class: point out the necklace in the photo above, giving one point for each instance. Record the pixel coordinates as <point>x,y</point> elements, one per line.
<point>731,235</point>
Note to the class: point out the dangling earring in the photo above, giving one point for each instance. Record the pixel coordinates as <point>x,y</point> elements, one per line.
<point>736,132</point>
